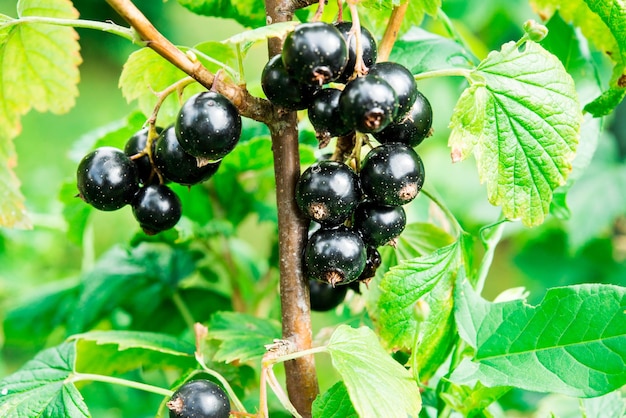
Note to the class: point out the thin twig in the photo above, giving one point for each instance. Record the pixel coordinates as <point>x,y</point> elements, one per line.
<point>391,31</point>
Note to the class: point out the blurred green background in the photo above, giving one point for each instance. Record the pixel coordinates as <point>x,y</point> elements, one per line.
<point>589,247</point>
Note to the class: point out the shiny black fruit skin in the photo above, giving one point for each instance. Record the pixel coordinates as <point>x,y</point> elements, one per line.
<point>208,126</point>
<point>107,179</point>
<point>368,104</point>
<point>392,174</point>
<point>327,192</point>
<point>199,399</point>
<point>156,207</point>
<point>176,165</point>
<point>315,53</point>
<point>325,116</point>
<point>413,128</point>
<point>136,144</point>
<point>334,255</point>
<point>324,296</point>
<point>284,90</point>
<point>368,48</point>
<point>378,224</point>
<point>402,82</point>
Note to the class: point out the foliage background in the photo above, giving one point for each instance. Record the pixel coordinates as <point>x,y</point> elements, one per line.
<point>589,247</point>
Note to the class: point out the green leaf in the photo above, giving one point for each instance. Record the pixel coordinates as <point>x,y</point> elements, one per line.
<point>472,401</point>
<point>603,23</point>
<point>521,119</point>
<point>376,13</point>
<point>40,388</point>
<point>573,342</point>
<point>404,285</point>
<point>39,67</point>
<point>609,405</point>
<point>278,30</point>
<point>246,12</point>
<point>379,386</point>
<point>146,72</point>
<point>421,51</point>
<point>334,403</point>
<point>220,54</point>
<point>33,320</point>
<point>242,337</point>
<point>116,352</point>
<point>138,280</point>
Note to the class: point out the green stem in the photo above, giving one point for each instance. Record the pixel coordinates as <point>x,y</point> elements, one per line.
<point>446,72</point>
<point>77,377</point>
<point>293,356</point>
<point>490,240</point>
<point>183,309</point>
<point>124,32</point>
<point>458,230</point>
<point>229,390</point>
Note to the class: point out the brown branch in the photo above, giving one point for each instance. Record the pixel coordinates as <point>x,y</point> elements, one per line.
<point>301,377</point>
<point>248,105</point>
<point>391,31</point>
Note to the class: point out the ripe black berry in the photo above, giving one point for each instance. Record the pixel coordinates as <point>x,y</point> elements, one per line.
<point>392,174</point>
<point>325,116</point>
<point>378,224</point>
<point>413,128</point>
<point>157,208</point>
<point>327,192</point>
<point>371,265</point>
<point>315,53</point>
<point>368,48</point>
<point>176,165</point>
<point>208,126</point>
<point>335,256</point>
<point>368,104</point>
<point>137,144</point>
<point>199,399</point>
<point>324,296</point>
<point>107,179</point>
<point>284,90</point>
<point>402,82</point>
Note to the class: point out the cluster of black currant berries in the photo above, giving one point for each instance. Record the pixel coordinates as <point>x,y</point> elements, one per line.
<point>207,128</point>
<point>199,399</point>
<point>357,212</point>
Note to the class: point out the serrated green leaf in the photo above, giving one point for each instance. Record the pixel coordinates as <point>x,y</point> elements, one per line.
<point>39,67</point>
<point>41,387</point>
<point>421,51</point>
<point>334,403</point>
<point>247,12</point>
<point>603,22</point>
<point>404,285</point>
<point>136,279</point>
<point>242,337</point>
<point>146,72</point>
<point>573,342</point>
<point>115,352</point>
<point>379,387</point>
<point>221,54</point>
<point>530,116</point>
<point>472,401</point>
<point>374,14</point>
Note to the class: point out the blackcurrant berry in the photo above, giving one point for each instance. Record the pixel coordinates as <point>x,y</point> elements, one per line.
<point>315,52</point>
<point>413,128</point>
<point>199,399</point>
<point>392,174</point>
<point>325,116</point>
<point>378,224</point>
<point>327,192</point>
<point>284,90</point>
<point>157,208</point>
<point>371,265</point>
<point>324,296</point>
<point>178,166</point>
<point>368,48</point>
<point>335,256</point>
<point>402,82</point>
<point>208,126</point>
<point>107,179</point>
<point>137,144</point>
<point>368,104</point>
